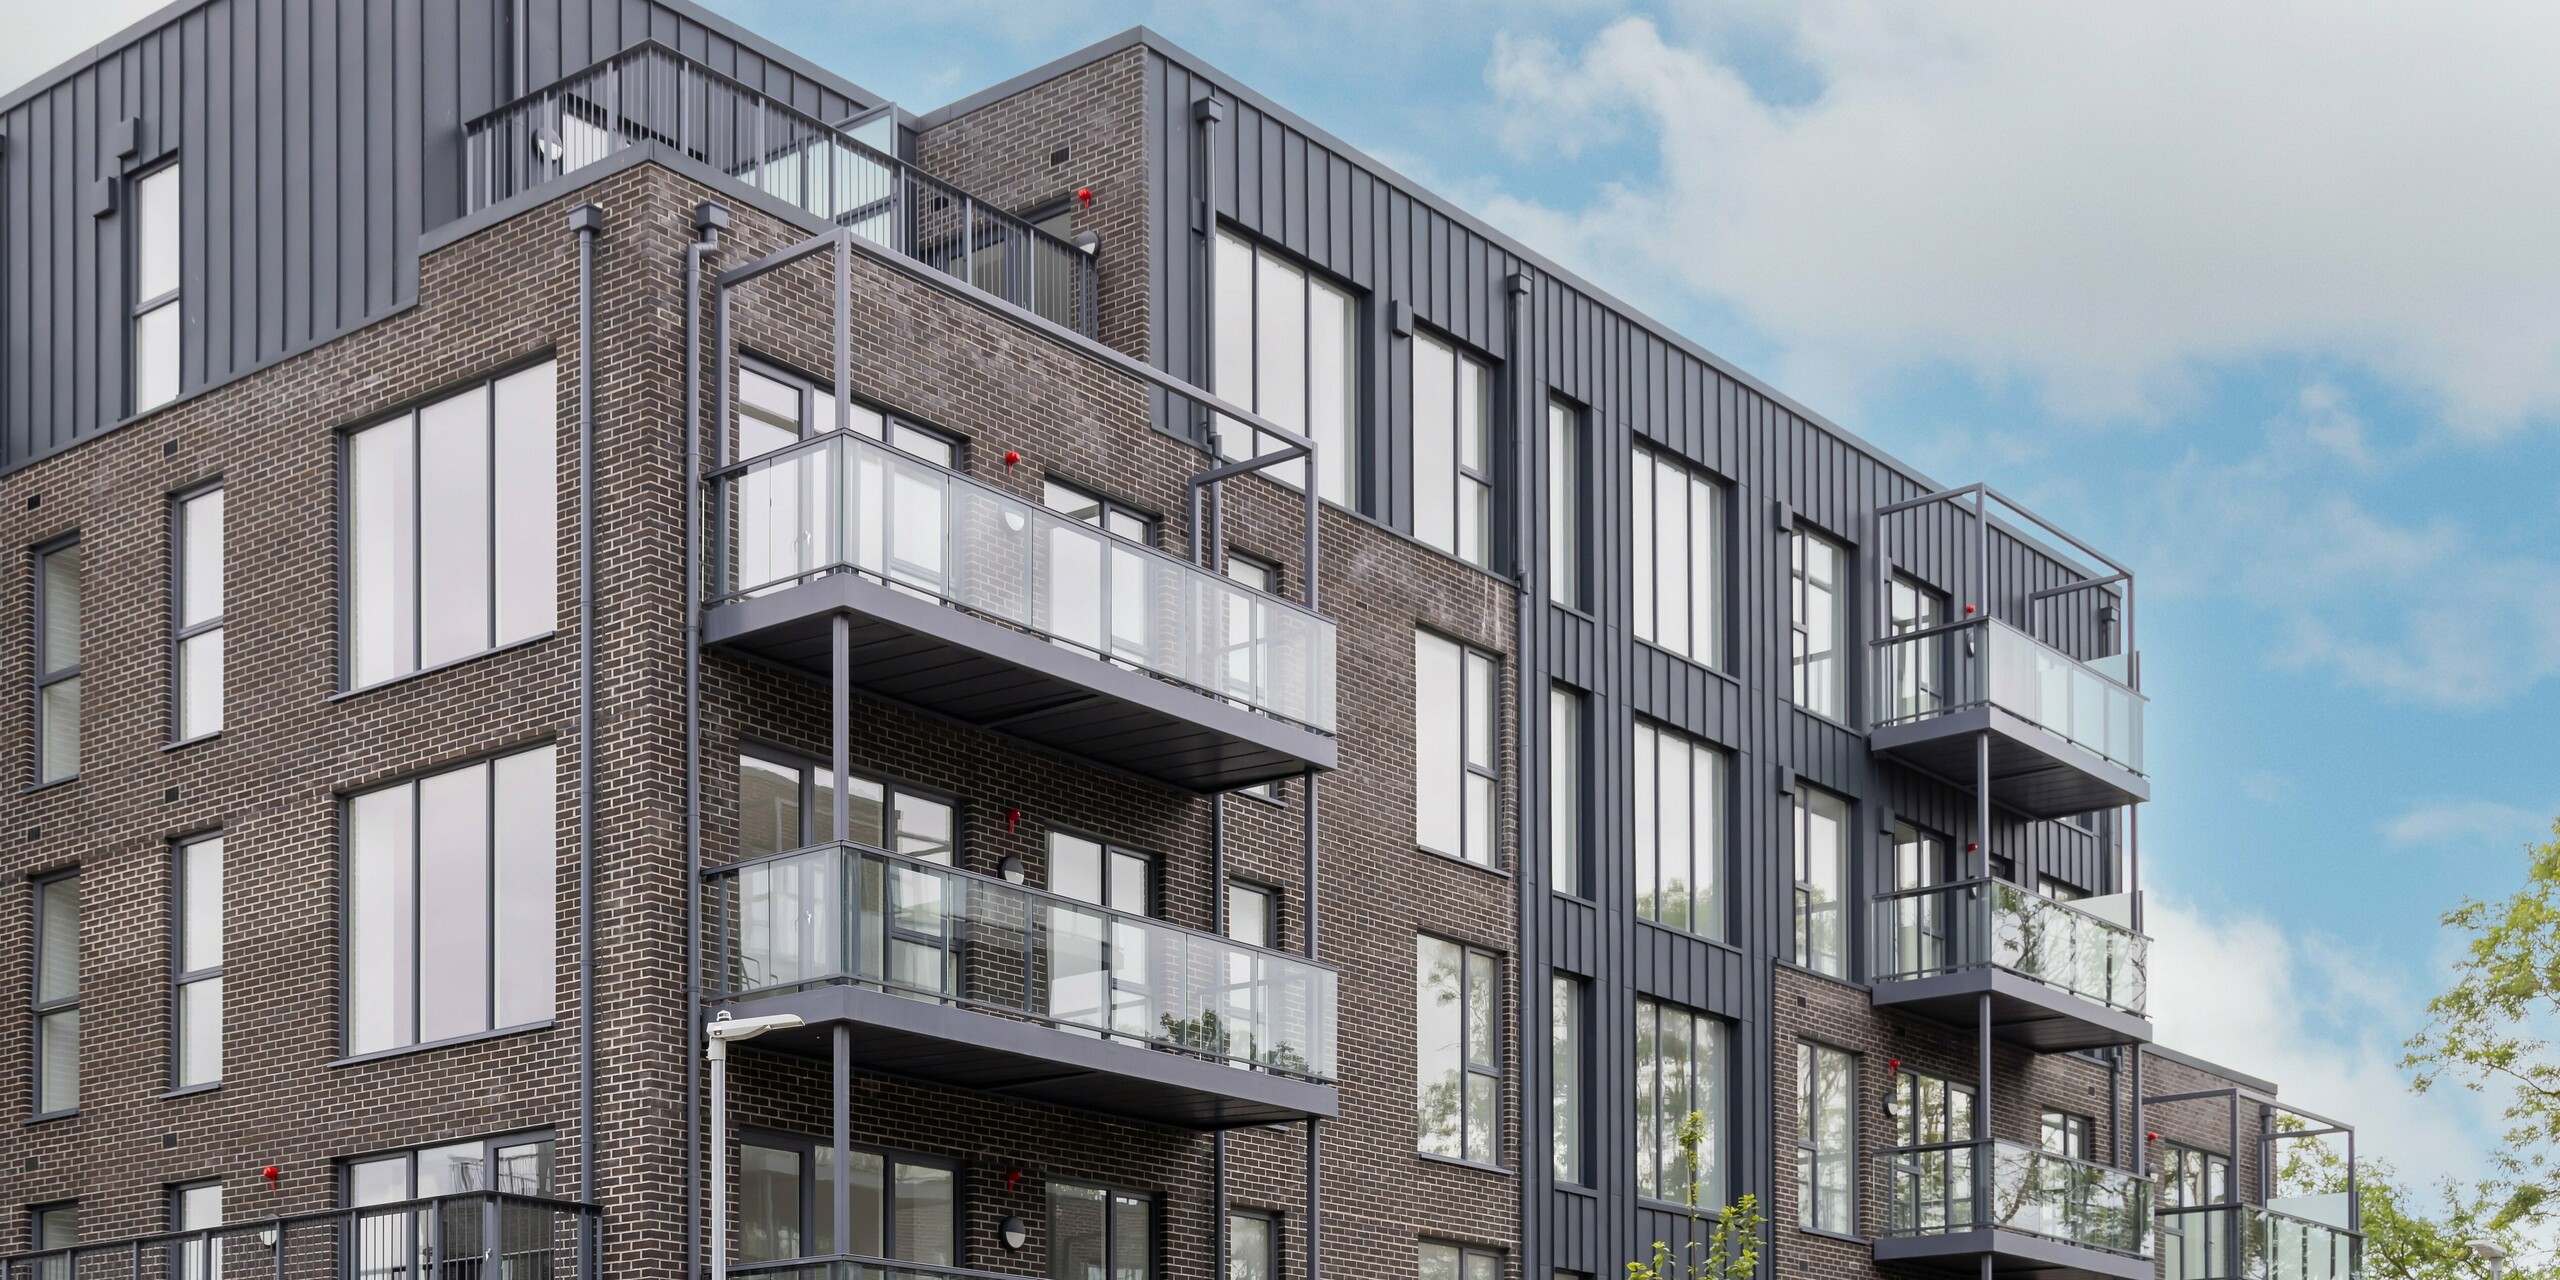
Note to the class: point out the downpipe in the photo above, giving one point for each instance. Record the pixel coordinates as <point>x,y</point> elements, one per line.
<point>709,219</point>
<point>588,221</point>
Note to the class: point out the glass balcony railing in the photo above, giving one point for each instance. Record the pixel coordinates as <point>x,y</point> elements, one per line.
<point>2086,948</point>
<point>1948,1188</point>
<point>2248,1242</point>
<point>1986,661</point>
<point>843,914</point>
<point>843,503</point>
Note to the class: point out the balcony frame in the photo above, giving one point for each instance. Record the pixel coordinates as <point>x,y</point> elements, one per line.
<point>2234,1098</point>
<point>2009,1249</point>
<point>2024,1009</point>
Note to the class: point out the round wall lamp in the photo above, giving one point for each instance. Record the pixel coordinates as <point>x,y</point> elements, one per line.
<point>1011,868</point>
<point>1016,1235</point>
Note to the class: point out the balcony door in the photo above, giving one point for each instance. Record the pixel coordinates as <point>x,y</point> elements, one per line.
<point>787,519</point>
<point>1099,970</point>
<point>1101,598</point>
<point>1923,916</point>
<point>1932,1172</point>
<point>2192,1236</point>
<point>450,1239</point>
<point>1915,676</point>
<point>904,1206</point>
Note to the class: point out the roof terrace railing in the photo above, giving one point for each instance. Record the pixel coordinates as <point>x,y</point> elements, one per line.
<point>650,93</point>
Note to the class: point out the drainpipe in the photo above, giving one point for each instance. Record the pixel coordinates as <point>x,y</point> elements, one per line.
<point>708,220</point>
<point>588,221</point>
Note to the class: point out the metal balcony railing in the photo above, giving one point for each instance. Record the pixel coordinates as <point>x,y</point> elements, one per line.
<point>840,914</point>
<point>479,1235</point>
<point>850,1267</point>
<point>1984,661</point>
<point>1953,1187</point>
<point>842,502</point>
<point>2250,1242</point>
<point>1976,924</point>
<point>650,93</point>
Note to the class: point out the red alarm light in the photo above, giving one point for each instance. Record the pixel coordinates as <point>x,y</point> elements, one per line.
<point>1011,457</point>
<point>1084,195</point>
<point>1968,611</point>
<point>270,1173</point>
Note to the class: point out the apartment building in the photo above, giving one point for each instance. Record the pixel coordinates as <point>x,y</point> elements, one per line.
<point>1216,714</point>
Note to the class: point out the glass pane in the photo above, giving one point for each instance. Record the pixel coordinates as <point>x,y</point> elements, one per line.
<point>156,340</point>
<point>1564,505</point>
<point>1565,1073</point>
<point>200,1031</point>
<point>1437,764</point>
<point>383,552</point>
<point>1435,513</point>
<point>155,240</point>
<point>1564,790</point>
<point>1077,1244</point>
<point>1648,811</point>
<point>58,1061</point>
<point>924,828</point>
<point>1333,366</point>
<point>453,527</point>
<point>1439,1031</point>
<point>1249,915</point>
<point>925,1221</point>
<point>527,503</point>
<point>383,1181</point>
<point>1132,1253</point>
<point>61,610</point>
<point>1484,988</point>
<point>1075,867</point>
<point>200,926</point>
<point>200,684</point>
<point>200,570</point>
<point>769,808</point>
<point>527,885</point>
<point>870,1203</point>
<point>768,1203</point>
<point>1436,1262</point>
<point>1640,536</point>
<point>1128,888</point>
<point>58,918</point>
<point>1249,1253</point>
<point>453,902</point>
<point>59,705</point>
<point>1280,341</point>
<point>1232,340</point>
<point>380,875</point>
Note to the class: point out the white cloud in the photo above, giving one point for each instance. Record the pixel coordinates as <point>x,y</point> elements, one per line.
<point>42,36</point>
<point>2468,822</point>
<point>2099,200</point>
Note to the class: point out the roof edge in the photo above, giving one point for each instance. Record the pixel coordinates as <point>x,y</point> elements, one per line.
<point>2240,1078</point>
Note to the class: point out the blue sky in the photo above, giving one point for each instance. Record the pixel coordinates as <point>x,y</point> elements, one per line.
<point>2260,298</point>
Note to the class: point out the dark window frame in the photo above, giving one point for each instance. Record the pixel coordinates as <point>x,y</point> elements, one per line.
<point>1109,848</point>
<point>179,631</point>
<point>1468,655</point>
<point>1809,1209</point>
<point>181,893</point>
<point>1843,609</point>
<point>41,1009</point>
<point>2078,1132</point>
<point>1465,1254</point>
<point>1105,508</point>
<point>1571,1162</point>
<point>1112,1194</point>
<point>807,1147</point>
<point>814,391</point>
<point>1802,909</point>
<point>1271,896</point>
<point>1569,576</point>
<point>1355,373</point>
<point>1569,860</point>
<point>1717,862</point>
<point>139,307</point>
<point>1716,652</point>
<point>1719,1147</point>
<point>1462,354</point>
<point>1274,1230</point>
<point>343,1168</point>
<point>1498,1069</point>
<point>808,767</point>
<point>47,677</point>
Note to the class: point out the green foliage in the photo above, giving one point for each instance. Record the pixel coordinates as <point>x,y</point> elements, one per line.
<point>1730,1247</point>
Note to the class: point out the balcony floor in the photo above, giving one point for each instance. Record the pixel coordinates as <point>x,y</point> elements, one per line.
<point>951,663</point>
<point>2023,1011</point>
<point>2011,1253</point>
<point>943,1044</point>
<point>2033,769</point>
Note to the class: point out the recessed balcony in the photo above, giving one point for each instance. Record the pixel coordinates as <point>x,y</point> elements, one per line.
<point>966,980</point>
<point>2065,735</point>
<point>2254,1242</point>
<point>2056,975</point>
<point>982,607</point>
<point>1956,1204</point>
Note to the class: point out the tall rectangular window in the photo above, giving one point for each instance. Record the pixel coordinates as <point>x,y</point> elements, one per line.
<point>1253,1246</point>
<point>1917,670</point>
<point>1932,1189</point>
<point>1253,914</point>
<point>1677,544</point>
<point>1452,450</point>
<point>1437,1261</point>
<point>58,661</point>
<point>1821,624</point>
<point>57,994</point>
<point>196,612</point>
<point>1680,831</point>
<point>1568,790</point>
<point>196,1207</point>
<point>1456,778</point>
<point>197,957</point>
<point>1568,483</point>
<point>1680,1071</point>
<point>54,1226</point>
<point>1457,1050</point>
<point>155,288</point>
<point>1826,1139</point>
<point>1822,881</point>
<point>1570,1116</point>
<point>453,528</point>
<point>1097,1233</point>
<point>1286,345</point>
<point>451,903</point>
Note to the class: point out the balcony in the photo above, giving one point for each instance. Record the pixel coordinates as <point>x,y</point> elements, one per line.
<point>2066,735</point>
<point>962,979</point>
<point>479,1235</point>
<point>1953,1205</point>
<point>652,95</point>
<point>2251,1242</point>
<point>2059,975</point>
<point>991,610</point>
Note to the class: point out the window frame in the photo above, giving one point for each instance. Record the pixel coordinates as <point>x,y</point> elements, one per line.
<point>1706,892</point>
<point>1469,1068</point>
<point>1569,791</point>
<point>1570,1045</point>
<point>1465,1256</point>
<point>1241,887</point>
<point>1272,1236</point>
<point>1463,359</point>
<point>46,677</point>
<point>182,891</point>
<point>1917,669</point>
<point>1709,622</point>
<point>1112,1195</point>
<point>812,393</point>
<point>1801,585</point>
<point>1109,851</point>
<point>1811,1155</point>
<point>180,631</point>
<point>808,767</point>
<point>200,1258</point>
<point>1663,1131</point>
<point>40,1009</point>
<point>490,1146</point>
<point>36,1215</point>
<point>1568,432</point>
<point>141,308</point>
<point>1106,509</point>
<point>1340,459</point>
<point>807,1147</point>
<point>2077,1132</point>
<point>1469,770</point>
<point>1802,908</point>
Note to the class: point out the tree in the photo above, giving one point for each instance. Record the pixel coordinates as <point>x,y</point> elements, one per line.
<point>1730,1250</point>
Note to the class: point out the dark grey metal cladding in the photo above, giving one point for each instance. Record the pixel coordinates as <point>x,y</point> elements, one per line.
<point>984,673</point>
<point>2033,769</point>
<point>942,1044</point>
<point>318,139</point>
<point>2024,1011</point>
<point>2011,1253</point>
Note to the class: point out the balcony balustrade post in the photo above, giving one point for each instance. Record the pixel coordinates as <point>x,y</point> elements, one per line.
<point>493,1250</point>
<point>279,1229</point>
<point>840,1210</point>
<point>840,725</point>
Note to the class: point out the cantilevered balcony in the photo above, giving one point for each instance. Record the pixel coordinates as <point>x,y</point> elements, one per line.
<point>977,605</point>
<point>1955,1204</point>
<point>2253,1242</point>
<point>965,980</point>
<point>2058,975</point>
<point>2065,735</point>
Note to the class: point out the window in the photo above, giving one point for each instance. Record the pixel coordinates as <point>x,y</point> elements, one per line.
<point>1247,623</point>
<point>1567,483</point>
<point>1922,919</point>
<point>1287,346</point>
<point>1102,513</point>
<point>54,1226</point>
<point>1452,450</point>
<point>1568,791</point>
<point>1253,1246</point>
<point>1826,1139</point>
<point>2196,1244</point>
<point>1437,1261</point>
<point>785,804</point>
<point>1932,1189</point>
<point>2060,890</point>
<point>1680,1058</point>
<point>460,867</point>
<point>904,1206</point>
<point>1570,1115</point>
<point>197,955</point>
<point>1678,545</point>
<point>1253,914</point>
<point>57,994</point>
<point>516,1165</point>
<point>778,409</point>
<point>1102,874</point>
<point>1457,1050</point>
<point>1096,1233</point>
<point>58,661</point>
<point>1680,825</point>
<point>452,528</point>
<point>2066,1134</point>
<point>196,1207</point>
<point>1822,881</point>
<point>1454,744</point>
<point>2191,1177</point>
<point>196,613</point>
<point>1918,667</point>
<point>155,288</point>
<point>1821,626</point>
